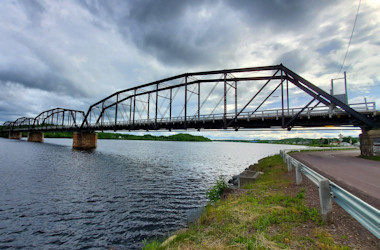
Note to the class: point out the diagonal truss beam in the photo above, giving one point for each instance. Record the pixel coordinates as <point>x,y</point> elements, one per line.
<point>327,99</point>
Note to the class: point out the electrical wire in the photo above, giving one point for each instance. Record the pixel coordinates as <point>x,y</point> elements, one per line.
<point>352,33</point>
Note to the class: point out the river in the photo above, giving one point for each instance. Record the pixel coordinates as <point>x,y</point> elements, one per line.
<point>54,197</point>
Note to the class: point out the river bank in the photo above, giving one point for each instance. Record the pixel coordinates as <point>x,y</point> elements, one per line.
<point>273,213</point>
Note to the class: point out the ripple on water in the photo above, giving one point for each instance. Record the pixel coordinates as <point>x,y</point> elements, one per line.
<point>125,191</point>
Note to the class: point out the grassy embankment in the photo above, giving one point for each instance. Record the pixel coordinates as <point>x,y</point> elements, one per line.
<point>271,214</point>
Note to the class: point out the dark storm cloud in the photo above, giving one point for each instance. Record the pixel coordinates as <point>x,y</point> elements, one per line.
<point>175,32</point>
<point>294,15</point>
<point>202,32</point>
<point>32,65</point>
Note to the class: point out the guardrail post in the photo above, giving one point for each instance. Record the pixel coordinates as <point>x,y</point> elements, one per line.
<point>283,155</point>
<point>325,200</point>
<point>289,163</point>
<point>298,174</point>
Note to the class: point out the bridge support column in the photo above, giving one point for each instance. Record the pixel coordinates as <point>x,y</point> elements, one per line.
<point>84,140</point>
<point>370,142</point>
<point>15,135</point>
<point>35,137</point>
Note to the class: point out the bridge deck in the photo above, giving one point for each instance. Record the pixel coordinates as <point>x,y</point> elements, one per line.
<point>260,119</point>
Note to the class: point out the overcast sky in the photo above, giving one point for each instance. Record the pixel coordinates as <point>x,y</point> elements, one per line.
<point>73,53</point>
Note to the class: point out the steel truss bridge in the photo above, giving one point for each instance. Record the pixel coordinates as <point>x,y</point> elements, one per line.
<point>257,97</point>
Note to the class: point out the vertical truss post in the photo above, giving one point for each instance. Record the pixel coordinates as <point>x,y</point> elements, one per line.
<point>282,102</point>
<point>72,116</point>
<point>185,125</point>
<point>235,101</point>
<point>199,100</point>
<point>155,117</point>
<point>134,108</point>
<point>51,120</point>
<point>102,114</point>
<point>170,105</point>
<point>63,119</point>
<point>148,106</point>
<point>130,109</point>
<point>287,94</point>
<point>225,102</point>
<point>117,100</point>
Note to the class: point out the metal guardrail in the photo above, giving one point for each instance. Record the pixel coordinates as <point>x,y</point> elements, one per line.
<point>364,213</point>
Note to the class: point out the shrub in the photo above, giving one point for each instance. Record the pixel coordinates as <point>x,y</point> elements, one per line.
<point>215,192</point>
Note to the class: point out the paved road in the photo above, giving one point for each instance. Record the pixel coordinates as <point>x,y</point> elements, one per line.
<point>357,175</point>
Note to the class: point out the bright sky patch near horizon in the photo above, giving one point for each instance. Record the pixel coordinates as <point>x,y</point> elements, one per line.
<point>73,53</point>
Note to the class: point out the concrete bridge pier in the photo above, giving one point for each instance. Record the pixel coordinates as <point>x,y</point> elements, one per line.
<point>15,135</point>
<point>370,142</point>
<point>35,137</point>
<point>85,140</point>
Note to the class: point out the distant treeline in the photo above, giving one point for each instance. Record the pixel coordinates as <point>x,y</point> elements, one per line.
<point>177,137</point>
<point>312,142</point>
<point>304,141</point>
<point>187,137</point>
<point>118,136</point>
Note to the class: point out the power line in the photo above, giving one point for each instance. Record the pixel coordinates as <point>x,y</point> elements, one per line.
<point>352,33</point>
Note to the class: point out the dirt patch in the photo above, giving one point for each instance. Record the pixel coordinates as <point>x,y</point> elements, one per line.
<point>232,191</point>
<point>344,229</point>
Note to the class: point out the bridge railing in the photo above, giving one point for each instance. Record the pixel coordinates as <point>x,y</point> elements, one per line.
<point>364,213</point>
<point>369,108</point>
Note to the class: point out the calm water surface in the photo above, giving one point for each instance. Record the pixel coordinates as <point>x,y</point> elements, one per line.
<point>52,196</point>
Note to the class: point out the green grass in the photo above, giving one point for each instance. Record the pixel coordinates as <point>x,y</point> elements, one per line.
<point>372,158</point>
<point>261,217</point>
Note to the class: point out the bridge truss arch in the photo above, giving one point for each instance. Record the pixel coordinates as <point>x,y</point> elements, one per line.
<point>58,119</point>
<point>256,97</point>
<point>50,120</point>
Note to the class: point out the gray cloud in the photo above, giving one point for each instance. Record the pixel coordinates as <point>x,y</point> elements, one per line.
<point>32,65</point>
<point>330,46</point>
<point>33,9</point>
<point>294,15</point>
<point>85,50</point>
<point>295,60</point>
<point>174,32</point>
